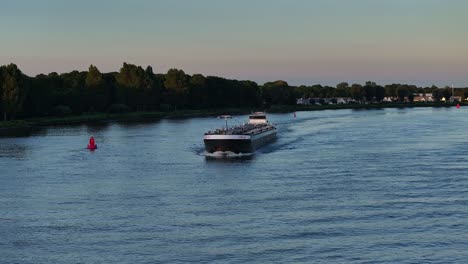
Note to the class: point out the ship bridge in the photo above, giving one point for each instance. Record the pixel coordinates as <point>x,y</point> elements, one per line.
<point>258,118</point>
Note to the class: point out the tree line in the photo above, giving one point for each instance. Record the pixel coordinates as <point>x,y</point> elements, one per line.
<point>134,88</point>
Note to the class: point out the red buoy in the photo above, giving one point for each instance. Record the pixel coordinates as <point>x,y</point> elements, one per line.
<point>92,144</point>
<point>458,105</point>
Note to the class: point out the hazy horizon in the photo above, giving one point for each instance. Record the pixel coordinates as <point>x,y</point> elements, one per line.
<point>421,42</point>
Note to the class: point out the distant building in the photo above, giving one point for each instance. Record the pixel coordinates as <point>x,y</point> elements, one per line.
<point>344,100</point>
<point>455,99</point>
<point>387,100</point>
<point>341,101</point>
<point>423,97</point>
<point>423,94</point>
<point>419,99</point>
<point>320,101</point>
<point>303,101</point>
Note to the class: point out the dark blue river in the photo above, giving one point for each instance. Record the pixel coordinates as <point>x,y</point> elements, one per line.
<point>372,186</point>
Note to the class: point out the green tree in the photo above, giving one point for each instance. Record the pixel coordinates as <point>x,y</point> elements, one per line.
<point>130,75</point>
<point>278,92</point>
<point>250,94</point>
<point>390,90</point>
<point>197,92</point>
<point>342,85</point>
<point>357,92</point>
<point>14,90</point>
<point>379,93</point>
<point>97,93</point>
<point>370,90</point>
<point>93,77</point>
<point>176,84</point>
<point>137,88</point>
<point>402,91</point>
<point>152,87</point>
<point>342,90</point>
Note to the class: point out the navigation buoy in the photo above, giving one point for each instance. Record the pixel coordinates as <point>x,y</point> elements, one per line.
<point>92,144</point>
<point>458,105</point>
<point>294,114</point>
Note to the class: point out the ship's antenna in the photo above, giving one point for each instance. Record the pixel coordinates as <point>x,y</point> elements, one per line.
<point>226,117</point>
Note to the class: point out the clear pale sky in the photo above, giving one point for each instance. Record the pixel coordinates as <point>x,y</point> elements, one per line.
<point>301,41</point>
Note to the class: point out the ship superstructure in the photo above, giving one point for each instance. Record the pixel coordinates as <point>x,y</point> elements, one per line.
<point>245,138</point>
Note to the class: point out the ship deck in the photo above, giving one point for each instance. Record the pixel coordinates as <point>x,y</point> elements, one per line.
<point>246,129</point>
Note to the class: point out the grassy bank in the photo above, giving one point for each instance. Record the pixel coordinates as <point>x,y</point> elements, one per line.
<point>144,116</point>
<point>106,117</point>
<point>292,108</point>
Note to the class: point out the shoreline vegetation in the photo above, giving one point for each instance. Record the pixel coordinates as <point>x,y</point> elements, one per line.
<point>134,93</point>
<point>19,127</point>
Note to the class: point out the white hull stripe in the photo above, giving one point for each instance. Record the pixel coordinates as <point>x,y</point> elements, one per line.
<point>232,137</point>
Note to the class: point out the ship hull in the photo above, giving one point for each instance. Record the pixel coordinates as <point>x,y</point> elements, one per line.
<point>238,143</point>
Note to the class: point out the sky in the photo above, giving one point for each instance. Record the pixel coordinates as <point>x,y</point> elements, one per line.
<point>421,42</point>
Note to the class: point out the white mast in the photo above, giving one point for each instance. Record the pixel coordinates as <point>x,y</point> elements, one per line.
<point>226,117</point>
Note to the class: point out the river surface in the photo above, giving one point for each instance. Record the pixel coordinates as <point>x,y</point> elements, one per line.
<point>343,186</point>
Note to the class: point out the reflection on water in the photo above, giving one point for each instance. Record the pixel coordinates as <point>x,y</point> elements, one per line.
<point>97,127</point>
<point>16,132</point>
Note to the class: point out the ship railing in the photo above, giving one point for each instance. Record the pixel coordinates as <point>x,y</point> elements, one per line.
<point>241,129</point>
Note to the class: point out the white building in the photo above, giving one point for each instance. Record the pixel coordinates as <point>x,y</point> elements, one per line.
<point>303,101</point>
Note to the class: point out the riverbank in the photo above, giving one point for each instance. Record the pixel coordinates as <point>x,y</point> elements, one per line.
<point>292,108</point>
<point>8,128</point>
<point>19,127</point>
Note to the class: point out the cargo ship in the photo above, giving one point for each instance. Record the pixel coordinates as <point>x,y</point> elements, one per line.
<point>245,138</point>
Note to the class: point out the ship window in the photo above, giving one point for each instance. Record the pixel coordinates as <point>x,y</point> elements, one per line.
<point>257,117</point>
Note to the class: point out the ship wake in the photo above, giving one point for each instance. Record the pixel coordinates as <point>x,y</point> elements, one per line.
<point>226,154</point>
